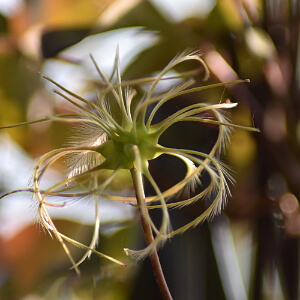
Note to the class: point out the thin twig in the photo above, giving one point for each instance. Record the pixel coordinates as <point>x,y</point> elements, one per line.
<point>157,269</point>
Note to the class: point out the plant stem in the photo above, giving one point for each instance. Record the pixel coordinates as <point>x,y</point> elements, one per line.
<point>157,269</point>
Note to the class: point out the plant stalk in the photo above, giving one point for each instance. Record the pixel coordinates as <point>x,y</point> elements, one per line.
<point>157,269</point>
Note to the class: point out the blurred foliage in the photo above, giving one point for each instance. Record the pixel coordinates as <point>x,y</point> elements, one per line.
<point>256,39</point>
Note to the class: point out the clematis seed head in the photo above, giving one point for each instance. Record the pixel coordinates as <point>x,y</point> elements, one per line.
<point>103,145</point>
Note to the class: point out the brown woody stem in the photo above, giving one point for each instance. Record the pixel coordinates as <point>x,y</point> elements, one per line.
<point>157,269</point>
